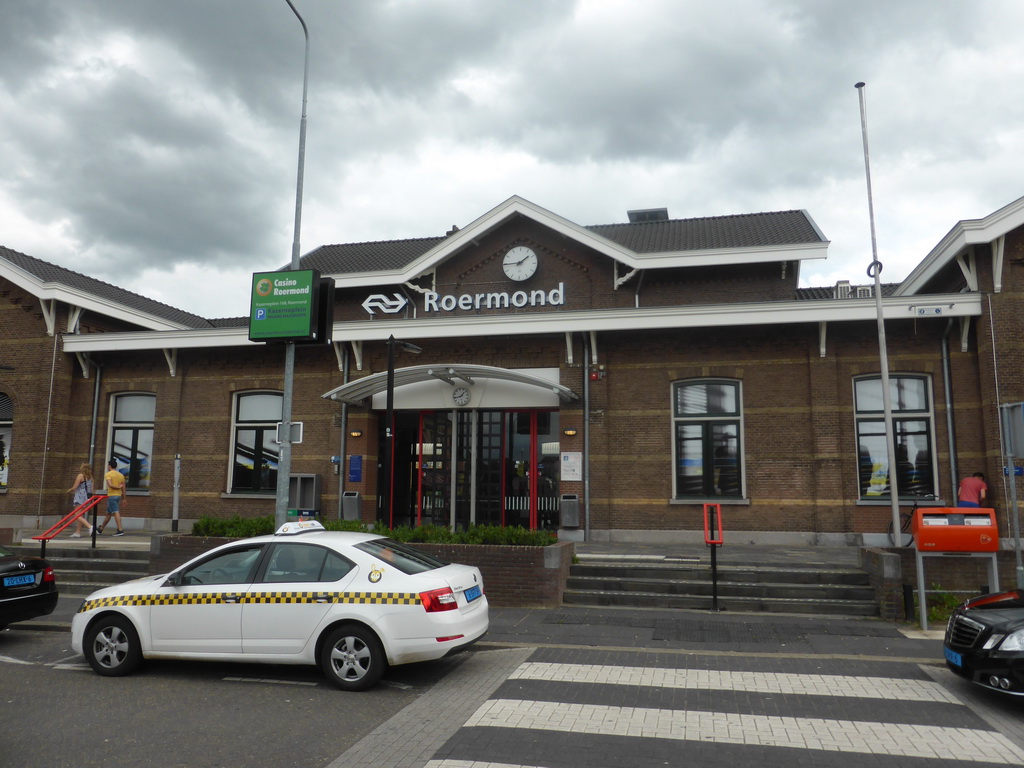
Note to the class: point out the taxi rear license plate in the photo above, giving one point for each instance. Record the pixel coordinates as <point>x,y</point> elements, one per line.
<point>472,593</point>
<point>953,657</point>
<point>17,581</point>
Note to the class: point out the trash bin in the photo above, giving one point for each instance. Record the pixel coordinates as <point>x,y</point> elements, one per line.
<point>569,509</point>
<point>351,505</point>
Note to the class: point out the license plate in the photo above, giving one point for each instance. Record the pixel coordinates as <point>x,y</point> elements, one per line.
<point>472,593</point>
<point>953,657</point>
<point>17,581</point>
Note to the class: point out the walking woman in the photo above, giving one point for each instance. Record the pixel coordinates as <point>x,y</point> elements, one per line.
<point>82,490</point>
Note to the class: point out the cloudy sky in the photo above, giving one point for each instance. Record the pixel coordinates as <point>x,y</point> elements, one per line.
<point>154,144</point>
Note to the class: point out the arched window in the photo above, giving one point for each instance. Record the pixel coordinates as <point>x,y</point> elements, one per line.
<point>910,398</point>
<point>6,425</point>
<point>707,419</point>
<point>131,442</point>
<point>255,439</point>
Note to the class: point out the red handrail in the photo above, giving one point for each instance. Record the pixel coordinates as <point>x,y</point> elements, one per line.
<point>65,521</point>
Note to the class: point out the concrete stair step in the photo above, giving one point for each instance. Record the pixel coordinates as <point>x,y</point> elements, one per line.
<point>747,574</point>
<point>834,607</point>
<point>703,587</point>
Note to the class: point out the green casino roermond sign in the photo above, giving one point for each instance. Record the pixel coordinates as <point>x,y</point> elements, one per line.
<point>283,306</point>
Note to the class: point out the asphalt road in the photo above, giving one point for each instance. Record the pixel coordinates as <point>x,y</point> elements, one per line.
<point>555,688</point>
<point>54,711</point>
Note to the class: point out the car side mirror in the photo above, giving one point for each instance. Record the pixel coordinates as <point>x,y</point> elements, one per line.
<point>174,580</point>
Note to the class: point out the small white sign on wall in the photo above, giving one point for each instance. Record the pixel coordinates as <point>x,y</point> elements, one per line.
<point>572,465</point>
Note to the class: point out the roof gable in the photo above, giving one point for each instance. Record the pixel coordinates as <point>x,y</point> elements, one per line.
<point>966,233</point>
<point>49,281</point>
<point>748,238</point>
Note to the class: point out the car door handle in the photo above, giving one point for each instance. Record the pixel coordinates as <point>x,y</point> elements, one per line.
<point>322,598</point>
<point>231,598</point>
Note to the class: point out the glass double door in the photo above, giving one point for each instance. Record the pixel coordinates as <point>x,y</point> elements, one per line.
<point>457,468</point>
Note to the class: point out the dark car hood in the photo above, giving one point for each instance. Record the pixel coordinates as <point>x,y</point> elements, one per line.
<point>997,610</point>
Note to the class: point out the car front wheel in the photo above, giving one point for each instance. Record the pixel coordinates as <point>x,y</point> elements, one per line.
<point>112,646</point>
<point>353,658</point>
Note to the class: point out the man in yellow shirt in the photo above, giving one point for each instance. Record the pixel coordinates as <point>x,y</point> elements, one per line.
<point>115,483</point>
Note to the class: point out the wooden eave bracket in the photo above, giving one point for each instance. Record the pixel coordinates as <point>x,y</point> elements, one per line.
<point>74,318</point>
<point>620,281</point>
<point>822,336</point>
<point>83,363</point>
<point>998,254</point>
<point>171,356</point>
<point>357,353</point>
<point>593,347</point>
<point>568,348</point>
<point>49,307</point>
<point>965,331</point>
<point>968,267</point>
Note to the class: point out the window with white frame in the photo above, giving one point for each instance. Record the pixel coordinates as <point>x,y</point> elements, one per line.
<point>707,447</point>
<point>131,437</point>
<point>254,468</point>
<point>912,429</point>
<point>6,427</point>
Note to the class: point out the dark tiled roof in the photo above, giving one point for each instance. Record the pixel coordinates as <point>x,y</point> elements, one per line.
<point>744,231</point>
<point>749,230</point>
<point>367,257</point>
<point>51,273</point>
<point>818,294</point>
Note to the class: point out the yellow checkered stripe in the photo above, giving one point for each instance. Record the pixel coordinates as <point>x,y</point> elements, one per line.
<point>218,598</point>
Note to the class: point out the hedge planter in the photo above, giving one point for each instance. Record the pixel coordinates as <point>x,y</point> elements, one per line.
<point>520,577</point>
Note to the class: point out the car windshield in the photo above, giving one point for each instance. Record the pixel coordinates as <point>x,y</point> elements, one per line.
<point>404,558</point>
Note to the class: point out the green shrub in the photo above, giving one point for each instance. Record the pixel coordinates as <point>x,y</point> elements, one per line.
<point>940,604</point>
<point>234,527</point>
<point>237,527</point>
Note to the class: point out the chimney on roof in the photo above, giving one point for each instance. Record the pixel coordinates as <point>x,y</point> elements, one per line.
<point>452,231</point>
<point>647,214</point>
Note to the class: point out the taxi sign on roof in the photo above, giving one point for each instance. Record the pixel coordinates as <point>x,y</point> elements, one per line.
<point>298,526</point>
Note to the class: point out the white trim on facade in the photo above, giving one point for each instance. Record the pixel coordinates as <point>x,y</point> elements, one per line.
<point>640,318</point>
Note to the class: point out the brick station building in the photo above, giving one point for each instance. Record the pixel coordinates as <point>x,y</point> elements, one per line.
<point>611,378</point>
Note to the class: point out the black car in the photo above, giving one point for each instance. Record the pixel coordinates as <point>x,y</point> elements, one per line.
<point>28,588</point>
<point>985,641</point>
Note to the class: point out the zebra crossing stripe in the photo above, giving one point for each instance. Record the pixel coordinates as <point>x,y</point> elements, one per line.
<point>753,682</point>
<point>899,740</point>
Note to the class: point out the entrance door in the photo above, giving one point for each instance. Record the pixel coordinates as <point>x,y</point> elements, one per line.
<point>531,443</point>
<point>505,465</point>
<point>433,458</point>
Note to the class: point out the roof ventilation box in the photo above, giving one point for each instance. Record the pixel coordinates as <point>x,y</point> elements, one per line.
<point>647,214</point>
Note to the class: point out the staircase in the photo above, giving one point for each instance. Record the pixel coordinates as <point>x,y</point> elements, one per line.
<point>81,570</point>
<point>686,582</point>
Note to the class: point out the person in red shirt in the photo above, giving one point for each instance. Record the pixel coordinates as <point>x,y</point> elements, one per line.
<point>973,491</point>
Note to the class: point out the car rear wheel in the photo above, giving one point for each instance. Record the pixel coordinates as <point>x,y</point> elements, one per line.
<point>112,646</point>
<point>352,658</point>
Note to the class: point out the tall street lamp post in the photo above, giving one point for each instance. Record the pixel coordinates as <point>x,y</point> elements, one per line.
<point>284,458</point>
<point>387,485</point>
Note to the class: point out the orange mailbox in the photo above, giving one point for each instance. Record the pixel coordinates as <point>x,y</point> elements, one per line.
<point>955,529</point>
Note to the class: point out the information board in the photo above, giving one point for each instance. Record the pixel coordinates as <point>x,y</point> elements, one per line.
<point>283,305</point>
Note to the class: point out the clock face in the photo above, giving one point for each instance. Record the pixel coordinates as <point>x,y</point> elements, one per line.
<point>520,263</point>
<point>461,396</point>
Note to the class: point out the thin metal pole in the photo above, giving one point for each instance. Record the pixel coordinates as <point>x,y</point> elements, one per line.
<point>176,497</point>
<point>284,458</point>
<point>387,508</point>
<point>1005,416</point>
<point>875,271</point>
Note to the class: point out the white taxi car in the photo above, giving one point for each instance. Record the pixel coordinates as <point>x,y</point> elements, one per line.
<point>352,603</point>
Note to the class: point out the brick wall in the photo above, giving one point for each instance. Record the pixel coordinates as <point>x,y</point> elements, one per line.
<point>800,452</point>
<point>533,577</point>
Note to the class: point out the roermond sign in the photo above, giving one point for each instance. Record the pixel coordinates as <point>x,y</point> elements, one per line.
<point>437,302</point>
